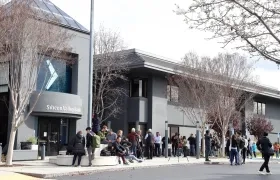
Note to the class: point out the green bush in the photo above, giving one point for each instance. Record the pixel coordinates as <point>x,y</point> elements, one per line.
<point>33,140</point>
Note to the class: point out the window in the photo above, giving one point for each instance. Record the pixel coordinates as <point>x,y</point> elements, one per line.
<point>172,93</point>
<point>259,108</point>
<point>138,88</point>
<point>54,75</point>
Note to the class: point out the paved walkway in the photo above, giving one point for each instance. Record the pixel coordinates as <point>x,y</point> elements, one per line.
<point>43,169</point>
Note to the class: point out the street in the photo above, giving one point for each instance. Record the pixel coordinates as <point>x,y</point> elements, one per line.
<point>183,172</point>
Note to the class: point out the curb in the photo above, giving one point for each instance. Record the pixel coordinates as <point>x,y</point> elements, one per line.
<point>89,172</point>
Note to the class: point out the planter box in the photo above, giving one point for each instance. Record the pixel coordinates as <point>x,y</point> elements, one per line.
<point>25,145</point>
<point>25,155</point>
<point>34,147</point>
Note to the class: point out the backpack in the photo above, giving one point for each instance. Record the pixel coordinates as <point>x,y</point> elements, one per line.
<point>241,143</point>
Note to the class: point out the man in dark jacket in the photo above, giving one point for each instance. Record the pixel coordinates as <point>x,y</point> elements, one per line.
<point>208,138</point>
<point>150,140</point>
<point>120,150</point>
<point>89,145</point>
<point>78,143</point>
<point>264,145</point>
<point>192,143</point>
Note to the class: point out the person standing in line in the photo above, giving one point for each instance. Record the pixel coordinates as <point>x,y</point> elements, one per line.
<point>150,141</point>
<point>78,143</point>
<point>185,145</point>
<point>192,142</point>
<point>249,149</point>
<point>276,147</point>
<point>89,145</point>
<point>254,149</point>
<point>157,144</point>
<point>233,150</point>
<point>163,145</point>
<point>208,138</point>
<point>132,138</point>
<point>264,145</point>
<point>240,146</point>
<point>244,150</point>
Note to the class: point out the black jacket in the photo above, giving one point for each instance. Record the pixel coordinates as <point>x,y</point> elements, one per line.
<point>89,140</point>
<point>192,140</point>
<point>264,145</point>
<point>78,143</point>
<point>208,138</point>
<point>118,147</point>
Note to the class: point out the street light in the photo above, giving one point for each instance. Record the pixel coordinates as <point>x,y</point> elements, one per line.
<point>197,140</point>
<point>91,53</point>
<point>166,139</point>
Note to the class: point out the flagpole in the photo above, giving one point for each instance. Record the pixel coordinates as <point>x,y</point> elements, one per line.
<point>89,123</point>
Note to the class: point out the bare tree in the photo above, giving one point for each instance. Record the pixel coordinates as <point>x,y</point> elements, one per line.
<point>110,67</point>
<point>258,124</point>
<point>194,90</point>
<point>253,24</point>
<point>27,38</point>
<point>235,87</point>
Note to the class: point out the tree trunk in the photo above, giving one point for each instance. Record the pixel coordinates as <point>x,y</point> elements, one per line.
<point>223,144</point>
<point>9,159</point>
<point>203,145</point>
<point>203,142</point>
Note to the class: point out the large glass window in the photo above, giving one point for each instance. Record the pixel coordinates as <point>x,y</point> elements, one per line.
<point>138,88</point>
<point>259,108</point>
<point>54,75</point>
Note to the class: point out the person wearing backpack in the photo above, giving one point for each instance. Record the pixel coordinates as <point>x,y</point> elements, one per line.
<point>240,146</point>
<point>150,140</point>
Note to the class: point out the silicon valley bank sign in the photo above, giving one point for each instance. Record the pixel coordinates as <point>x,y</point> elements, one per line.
<point>64,109</point>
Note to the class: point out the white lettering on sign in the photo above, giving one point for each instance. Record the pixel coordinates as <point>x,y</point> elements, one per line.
<point>64,109</point>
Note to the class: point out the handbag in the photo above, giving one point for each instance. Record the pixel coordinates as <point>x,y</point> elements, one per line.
<point>271,152</point>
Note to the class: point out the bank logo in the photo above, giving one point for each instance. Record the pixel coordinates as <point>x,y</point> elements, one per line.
<point>53,75</point>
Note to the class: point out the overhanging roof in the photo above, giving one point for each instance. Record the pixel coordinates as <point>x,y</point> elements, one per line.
<point>140,59</point>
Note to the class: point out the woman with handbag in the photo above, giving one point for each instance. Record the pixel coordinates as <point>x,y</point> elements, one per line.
<point>265,146</point>
<point>78,143</point>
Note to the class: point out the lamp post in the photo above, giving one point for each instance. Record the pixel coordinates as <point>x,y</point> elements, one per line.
<point>166,139</point>
<point>197,140</point>
<point>91,53</point>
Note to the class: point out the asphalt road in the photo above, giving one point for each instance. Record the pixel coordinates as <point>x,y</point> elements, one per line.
<point>185,172</point>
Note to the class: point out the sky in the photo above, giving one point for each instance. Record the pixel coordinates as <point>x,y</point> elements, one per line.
<point>152,26</point>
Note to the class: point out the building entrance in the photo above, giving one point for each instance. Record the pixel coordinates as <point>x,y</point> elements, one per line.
<point>53,132</point>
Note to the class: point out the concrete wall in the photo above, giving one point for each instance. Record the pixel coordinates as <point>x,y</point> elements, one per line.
<point>80,46</point>
<point>158,104</point>
<point>80,79</point>
<point>138,109</point>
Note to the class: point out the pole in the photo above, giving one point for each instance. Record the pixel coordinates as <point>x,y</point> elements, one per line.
<point>166,140</point>
<point>197,141</point>
<point>91,54</point>
<point>278,137</point>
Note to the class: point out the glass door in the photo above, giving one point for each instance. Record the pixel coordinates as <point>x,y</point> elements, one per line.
<point>48,132</point>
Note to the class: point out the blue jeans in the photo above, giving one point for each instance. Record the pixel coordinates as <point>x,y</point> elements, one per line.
<point>277,154</point>
<point>234,155</point>
<point>134,150</point>
<point>192,148</point>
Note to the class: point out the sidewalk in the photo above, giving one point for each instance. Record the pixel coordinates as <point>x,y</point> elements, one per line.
<point>43,169</point>
<point>14,176</point>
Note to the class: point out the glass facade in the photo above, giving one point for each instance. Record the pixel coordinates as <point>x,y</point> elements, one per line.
<point>54,75</point>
